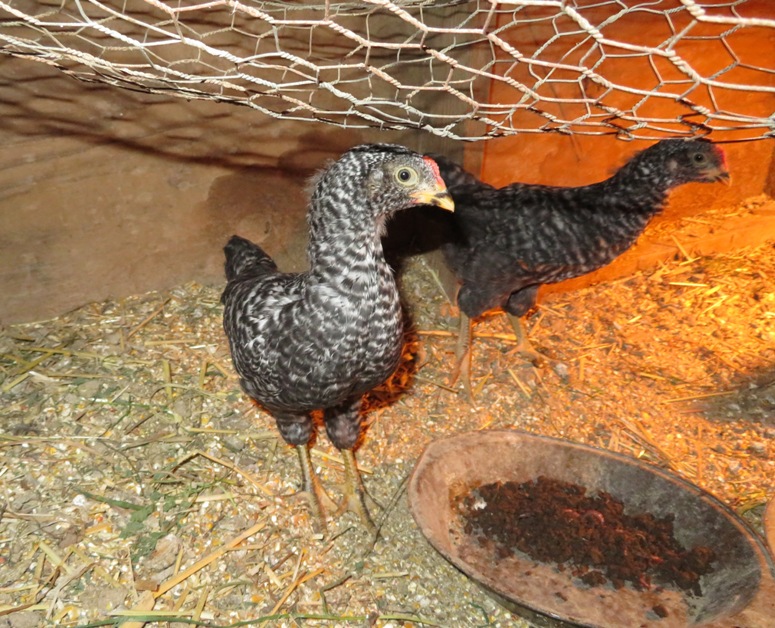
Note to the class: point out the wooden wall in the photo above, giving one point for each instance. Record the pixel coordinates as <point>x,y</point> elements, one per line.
<point>106,192</point>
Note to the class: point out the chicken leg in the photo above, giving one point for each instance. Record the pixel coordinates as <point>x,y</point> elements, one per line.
<point>343,426</point>
<point>462,368</point>
<point>354,492</point>
<point>312,489</point>
<point>463,356</point>
<point>319,501</point>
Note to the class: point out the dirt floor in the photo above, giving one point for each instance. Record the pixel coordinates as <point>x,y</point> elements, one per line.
<point>138,482</point>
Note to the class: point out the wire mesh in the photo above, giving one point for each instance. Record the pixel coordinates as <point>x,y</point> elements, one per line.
<point>464,70</point>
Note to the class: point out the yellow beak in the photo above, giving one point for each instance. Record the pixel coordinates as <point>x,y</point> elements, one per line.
<point>724,177</point>
<point>439,197</point>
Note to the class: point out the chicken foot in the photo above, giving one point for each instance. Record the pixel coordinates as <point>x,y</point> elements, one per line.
<point>354,491</point>
<point>462,368</point>
<point>524,347</point>
<point>312,489</point>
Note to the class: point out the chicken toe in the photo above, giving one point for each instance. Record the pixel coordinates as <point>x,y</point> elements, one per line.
<point>524,347</point>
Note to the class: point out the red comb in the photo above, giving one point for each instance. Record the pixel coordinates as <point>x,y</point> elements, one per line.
<point>435,167</point>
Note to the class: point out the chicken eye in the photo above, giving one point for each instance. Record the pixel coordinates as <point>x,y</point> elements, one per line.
<point>699,158</point>
<point>407,176</point>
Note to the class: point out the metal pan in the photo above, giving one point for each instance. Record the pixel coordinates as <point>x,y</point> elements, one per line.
<point>769,525</point>
<point>740,591</point>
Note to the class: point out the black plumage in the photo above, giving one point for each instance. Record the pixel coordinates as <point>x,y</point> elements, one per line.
<point>509,241</point>
<point>320,339</point>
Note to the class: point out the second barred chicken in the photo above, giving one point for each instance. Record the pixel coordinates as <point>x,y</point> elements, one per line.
<point>509,241</point>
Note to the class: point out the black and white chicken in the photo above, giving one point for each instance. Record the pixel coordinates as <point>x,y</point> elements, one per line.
<point>320,339</point>
<point>509,241</point>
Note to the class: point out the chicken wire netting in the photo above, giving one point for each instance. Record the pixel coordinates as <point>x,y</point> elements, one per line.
<point>464,70</point>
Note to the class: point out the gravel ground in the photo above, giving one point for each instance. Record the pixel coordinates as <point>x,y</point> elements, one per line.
<point>138,483</point>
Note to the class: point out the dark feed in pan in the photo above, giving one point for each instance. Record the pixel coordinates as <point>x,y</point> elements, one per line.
<point>589,535</point>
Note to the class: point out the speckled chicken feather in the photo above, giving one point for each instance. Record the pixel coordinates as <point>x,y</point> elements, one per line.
<point>322,338</point>
<point>509,241</point>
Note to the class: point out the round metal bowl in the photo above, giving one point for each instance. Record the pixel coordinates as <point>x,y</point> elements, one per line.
<point>740,591</point>
<point>769,524</point>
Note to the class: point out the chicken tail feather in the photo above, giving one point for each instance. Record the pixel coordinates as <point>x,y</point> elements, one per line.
<point>245,258</point>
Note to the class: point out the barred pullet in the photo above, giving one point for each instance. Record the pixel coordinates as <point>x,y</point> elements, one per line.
<point>509,241</point>
<point>320,339</point>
